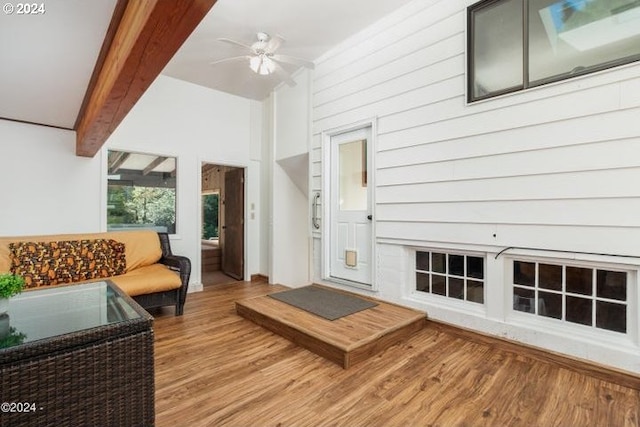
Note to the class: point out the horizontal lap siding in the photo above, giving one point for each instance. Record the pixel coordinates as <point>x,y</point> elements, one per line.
<point>555,167</point>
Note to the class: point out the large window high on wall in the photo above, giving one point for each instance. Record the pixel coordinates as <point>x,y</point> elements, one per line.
<point>517,44</point>
<point>141,192</point>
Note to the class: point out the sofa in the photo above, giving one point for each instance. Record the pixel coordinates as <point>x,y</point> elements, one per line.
<point>139,262</point>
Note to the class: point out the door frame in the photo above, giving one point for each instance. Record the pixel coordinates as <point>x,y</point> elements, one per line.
<point>201,162</point>
<point>325,235</point>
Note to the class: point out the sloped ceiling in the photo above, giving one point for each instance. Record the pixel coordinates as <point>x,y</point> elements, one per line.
<point>47,59</point>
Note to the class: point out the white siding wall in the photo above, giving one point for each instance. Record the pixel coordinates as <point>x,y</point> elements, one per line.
<point>555,167</point>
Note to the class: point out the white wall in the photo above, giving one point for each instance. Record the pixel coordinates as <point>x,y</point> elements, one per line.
<point>255,188</point>
<point>554,167</point>
<point>47,189</point>
<point>289,138</point>
<point>196,125</point>
<point>44,187</point>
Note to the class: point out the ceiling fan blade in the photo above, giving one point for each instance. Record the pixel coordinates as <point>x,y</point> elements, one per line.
<point>236,43</point>
<point>233,58</point>
<point>293,60</point>
<point>283,74</point>
<point>274,43</point>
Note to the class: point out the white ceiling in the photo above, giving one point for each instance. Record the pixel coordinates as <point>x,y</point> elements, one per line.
<point>46,60</point>
<point>310,28</point>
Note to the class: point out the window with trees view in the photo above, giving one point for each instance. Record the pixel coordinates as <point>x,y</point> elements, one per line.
<point>210,209</point>
<point>517,44</point>
<point>141,192</point>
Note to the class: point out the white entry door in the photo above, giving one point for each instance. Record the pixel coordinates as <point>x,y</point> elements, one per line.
<point>350,206</point>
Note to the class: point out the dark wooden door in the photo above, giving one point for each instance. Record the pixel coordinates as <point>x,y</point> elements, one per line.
<point>233,249</point>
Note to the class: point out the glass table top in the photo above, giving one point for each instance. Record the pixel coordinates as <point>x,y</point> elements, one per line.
<point>46,313</point>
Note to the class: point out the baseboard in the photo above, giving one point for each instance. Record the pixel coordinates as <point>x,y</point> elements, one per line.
<point>195,287</point>
<point>259,278</point>
<point>585,367</point>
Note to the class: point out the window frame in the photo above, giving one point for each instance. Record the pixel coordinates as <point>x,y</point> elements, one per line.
<point>447,275</point>
<point>526,83</point>
<point>632,303</point>
<point>105,199</point>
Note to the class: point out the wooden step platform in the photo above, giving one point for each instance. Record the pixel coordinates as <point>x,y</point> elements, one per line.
<point>345,341</point>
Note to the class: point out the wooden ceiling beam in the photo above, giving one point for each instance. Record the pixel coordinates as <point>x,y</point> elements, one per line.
<point>154,164</point>
<point>149,34</point>
<point>118,161</point>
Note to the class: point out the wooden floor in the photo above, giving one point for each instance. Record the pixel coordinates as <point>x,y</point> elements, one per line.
<point>345,341</point>
<point>214,368</point>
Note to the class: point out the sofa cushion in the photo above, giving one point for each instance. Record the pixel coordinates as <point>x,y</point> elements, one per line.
<point>142,247</point>
<point>67,261</point>
<point>148,279</point>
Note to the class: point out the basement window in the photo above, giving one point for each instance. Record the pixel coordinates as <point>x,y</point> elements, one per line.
<point>593,297</point>
<point>518,44</point>
<point>456,276</point>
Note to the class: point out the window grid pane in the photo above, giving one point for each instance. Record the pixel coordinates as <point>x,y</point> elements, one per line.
<point>591,297</point>
<point>449,275</point>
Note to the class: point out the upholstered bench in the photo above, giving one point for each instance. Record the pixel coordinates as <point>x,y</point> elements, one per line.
<point>139,262</point>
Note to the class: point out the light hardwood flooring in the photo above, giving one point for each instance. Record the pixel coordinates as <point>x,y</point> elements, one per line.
<point>345,341</point>
<point>214,278</point>
<point>214,368</point>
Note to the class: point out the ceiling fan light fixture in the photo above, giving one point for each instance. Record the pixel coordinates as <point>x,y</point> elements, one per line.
<point>254,63</point>
<point>262,64</point>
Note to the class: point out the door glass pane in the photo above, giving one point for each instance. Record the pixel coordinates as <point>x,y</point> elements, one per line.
<point>497,48</point>
<point>572,37</point>
<point>353,176</point>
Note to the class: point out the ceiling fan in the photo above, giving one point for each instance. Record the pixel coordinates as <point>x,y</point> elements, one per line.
<point>263,58</point>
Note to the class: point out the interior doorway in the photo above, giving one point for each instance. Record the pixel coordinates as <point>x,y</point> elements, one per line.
<point>222,224</point>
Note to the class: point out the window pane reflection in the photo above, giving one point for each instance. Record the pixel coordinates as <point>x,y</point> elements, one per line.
<point>579,280</point>
<point>497,48</point>
<point>570,37</point>
<point>611,316</point>
<point>612,285</point>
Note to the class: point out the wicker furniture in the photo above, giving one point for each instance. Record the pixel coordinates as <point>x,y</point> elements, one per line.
<point>177,297</point>
<point>149,260</point>
<point>86,359</point>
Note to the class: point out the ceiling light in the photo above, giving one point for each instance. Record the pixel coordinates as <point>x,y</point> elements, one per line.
<point>262,64</point>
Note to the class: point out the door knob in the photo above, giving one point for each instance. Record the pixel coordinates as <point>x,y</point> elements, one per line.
<point>369,217</point>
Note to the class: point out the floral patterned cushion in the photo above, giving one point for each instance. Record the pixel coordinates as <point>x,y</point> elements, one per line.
<point>53,263</point>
